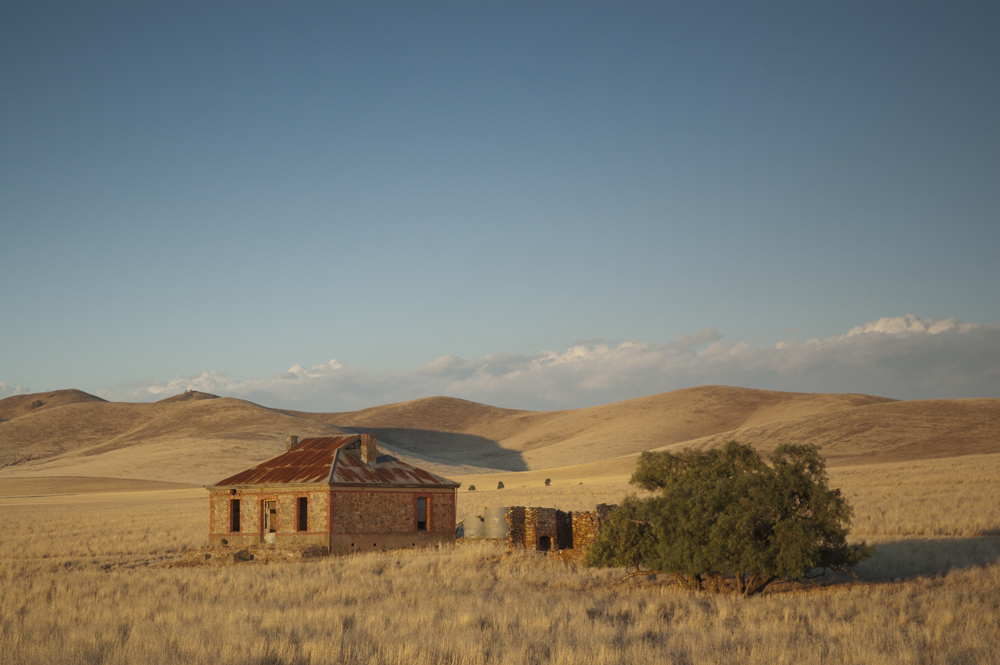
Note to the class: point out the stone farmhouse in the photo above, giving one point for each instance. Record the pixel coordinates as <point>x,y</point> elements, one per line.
<point>335,492</point>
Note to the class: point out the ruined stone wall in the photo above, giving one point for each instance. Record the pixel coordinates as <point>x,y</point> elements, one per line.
<point>564,531</point>
<point>541,523</point>
<point>587,525</point>
<point>567,531</point>
<point>515,522</point>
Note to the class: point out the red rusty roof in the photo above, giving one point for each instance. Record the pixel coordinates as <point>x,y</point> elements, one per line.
<point>334,460</point>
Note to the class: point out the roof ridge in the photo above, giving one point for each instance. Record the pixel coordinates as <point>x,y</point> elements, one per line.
<point>323,464</point>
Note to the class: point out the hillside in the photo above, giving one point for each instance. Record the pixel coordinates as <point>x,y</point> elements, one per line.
<point>192,441</point>
<point>886,432</point>
<point>21,405</point>
<point>510,440</point>
<point>198,438</point>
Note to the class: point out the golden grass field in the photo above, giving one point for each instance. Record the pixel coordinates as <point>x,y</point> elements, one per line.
<point>85,578</point>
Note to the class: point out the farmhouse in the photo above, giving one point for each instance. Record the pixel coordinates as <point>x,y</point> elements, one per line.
<point>337,492</point>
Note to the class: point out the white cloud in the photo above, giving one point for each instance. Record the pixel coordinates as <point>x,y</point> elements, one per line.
<point>895,325</point>
<point>904,357</point>
<point>8,391</point>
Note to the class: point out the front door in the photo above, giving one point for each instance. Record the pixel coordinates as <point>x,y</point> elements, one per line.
<point>270,517</point>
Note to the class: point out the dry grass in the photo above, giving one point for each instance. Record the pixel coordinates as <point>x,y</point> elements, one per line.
<point>473,605</point>
<point>957,496</point>
<point>81,581</point>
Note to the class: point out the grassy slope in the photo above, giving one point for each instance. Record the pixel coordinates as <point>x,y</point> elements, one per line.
<point>21,405</point>
<point>195,441</point>
<point>198,438</point>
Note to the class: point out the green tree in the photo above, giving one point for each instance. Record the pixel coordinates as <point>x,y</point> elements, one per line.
<point>724,514</point>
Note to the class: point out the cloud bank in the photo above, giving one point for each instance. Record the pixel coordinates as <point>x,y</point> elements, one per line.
<point>903,357</point>
<point>8,391</point>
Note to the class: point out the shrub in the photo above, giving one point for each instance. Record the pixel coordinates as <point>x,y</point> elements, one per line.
<point>725,513</point>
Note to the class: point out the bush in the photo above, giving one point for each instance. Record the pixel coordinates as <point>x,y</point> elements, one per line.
<point>724,514</point>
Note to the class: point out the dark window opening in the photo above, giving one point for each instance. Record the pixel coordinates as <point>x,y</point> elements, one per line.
<point>234,515</point>
<point>544,544</point>
<point>422,514</point>
<point>303,513</point>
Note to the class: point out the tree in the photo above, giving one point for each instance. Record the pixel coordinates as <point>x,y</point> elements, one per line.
<point>724,513</point>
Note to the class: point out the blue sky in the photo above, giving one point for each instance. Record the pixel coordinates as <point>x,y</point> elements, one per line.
<point>231,189</point>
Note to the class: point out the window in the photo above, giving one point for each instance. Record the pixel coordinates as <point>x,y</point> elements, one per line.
<point>422,514</point>
<point>303,513</point>
<point>234,515</point>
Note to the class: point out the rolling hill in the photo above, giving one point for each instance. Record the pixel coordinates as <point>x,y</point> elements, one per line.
<point>198,438</point>
<point>21,405</point>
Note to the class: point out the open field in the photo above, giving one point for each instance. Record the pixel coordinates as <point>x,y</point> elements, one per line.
<point>92,585</point>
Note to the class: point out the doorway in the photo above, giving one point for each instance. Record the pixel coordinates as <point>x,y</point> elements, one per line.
<point>270,517</point>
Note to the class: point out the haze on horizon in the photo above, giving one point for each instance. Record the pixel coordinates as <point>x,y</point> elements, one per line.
<point>533,205</point>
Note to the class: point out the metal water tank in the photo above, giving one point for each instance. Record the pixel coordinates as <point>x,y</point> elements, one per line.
<point>474,527</point>
<point>496,522</point>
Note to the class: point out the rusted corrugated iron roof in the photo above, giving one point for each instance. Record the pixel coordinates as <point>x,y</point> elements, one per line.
<point>333,460</point>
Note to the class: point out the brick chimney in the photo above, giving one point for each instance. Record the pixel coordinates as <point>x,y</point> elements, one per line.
<point>292,442</point>
<point>368,450</point>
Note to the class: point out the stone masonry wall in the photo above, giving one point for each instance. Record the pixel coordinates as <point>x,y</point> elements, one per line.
<point>251,507</point>
<point>442,513</point>
<point>540,523</point>
<point>567,531</point>
<point>390,511</point>
<point>515,523</point>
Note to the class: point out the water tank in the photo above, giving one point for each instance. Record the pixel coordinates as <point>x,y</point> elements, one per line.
<point>474,527</point>
<point>496,522</point>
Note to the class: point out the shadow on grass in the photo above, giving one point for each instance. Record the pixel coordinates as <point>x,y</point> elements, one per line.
<point>915,557</point>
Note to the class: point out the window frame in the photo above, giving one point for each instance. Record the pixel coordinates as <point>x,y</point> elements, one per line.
<point>427,513</point>
<point>234,516</point>
<point>302,514</point>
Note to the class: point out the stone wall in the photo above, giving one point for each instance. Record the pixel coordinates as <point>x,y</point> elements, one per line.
<point>587,525</point>
<point>540,531</point>
<point>515,522</point>
<point>391,511</point>
<point>251,515</point>
<point>442,511</point>
<point>566,531</point>
<point>340,512</point>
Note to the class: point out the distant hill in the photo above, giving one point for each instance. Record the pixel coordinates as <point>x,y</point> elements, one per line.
<point>199,438</point>
<point>886,432</point>
<point>22,405</point>
<point>512,440</point>
<point>187,396</point>
<point>191,441</point>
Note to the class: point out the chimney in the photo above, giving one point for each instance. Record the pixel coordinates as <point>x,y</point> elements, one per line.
<point>368,450</point>
<point>292,442</point>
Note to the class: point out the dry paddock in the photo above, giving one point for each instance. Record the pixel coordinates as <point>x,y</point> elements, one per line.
<point>89,579</point>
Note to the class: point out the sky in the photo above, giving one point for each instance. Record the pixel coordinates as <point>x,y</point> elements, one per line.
<point>550,204</point>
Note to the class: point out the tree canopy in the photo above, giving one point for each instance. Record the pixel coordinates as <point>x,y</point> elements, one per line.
<point>725,513</point>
